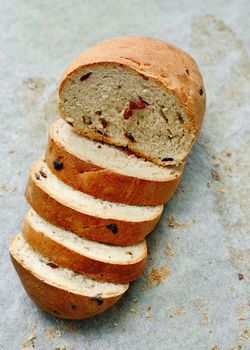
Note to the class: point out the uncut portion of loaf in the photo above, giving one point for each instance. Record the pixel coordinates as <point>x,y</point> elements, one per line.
<point>100,261</point>
<point>60,291</point>
<point>92,218</point>
<point>136,92</point>
<point>106,171</point>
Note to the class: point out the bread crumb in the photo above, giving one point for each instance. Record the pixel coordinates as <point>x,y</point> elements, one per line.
<point>169,250</point>
<point>241,276</point>
<point>63,347</point>
<point>133,311</point>
<point>229,169</point>
<point>149,313</point>
<point>177,312</point>
<point>244,333</point>
<point>240,313</point>
<point>217,160</point>
<point>115,324</point>
<point>52,332</point>
<point>208,184</point>
<point>215,175</point>
<point>30,340</point>
<point>215,348</point>
<point>204,317</point>
<point>156,276</point>
<point>228,152</point>
<point>175,224</point>
<point>4,187</point>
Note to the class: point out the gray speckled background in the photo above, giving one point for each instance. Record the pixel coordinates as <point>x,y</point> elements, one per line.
<point>201,302</point>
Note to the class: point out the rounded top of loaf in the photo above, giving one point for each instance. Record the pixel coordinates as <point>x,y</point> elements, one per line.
<point>161,61</point>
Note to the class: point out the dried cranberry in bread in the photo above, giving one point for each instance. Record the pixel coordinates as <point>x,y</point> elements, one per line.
<point>58,291</point>
<point>137,92</point>
<point>108,172</point>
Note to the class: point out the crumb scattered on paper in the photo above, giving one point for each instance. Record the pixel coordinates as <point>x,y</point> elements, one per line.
<point>228,152</point>
<point>30,339</point>
<point>202,306</point>
<point>241,276</point>
<point>177,312</point>
<point>53,332</point>
<point>205,317</point>
<point>132,310</point>
<point>64,347</point>
<point>216,175</point>
<point>243,312</point>
<point>172,222</point>
<point>244,333</point>
<point>169,251</point>
<point>149,313</point>
<point>4,187</point>
<point>157,275</point>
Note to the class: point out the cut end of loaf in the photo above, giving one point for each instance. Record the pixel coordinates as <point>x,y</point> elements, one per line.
<point>117,105</point>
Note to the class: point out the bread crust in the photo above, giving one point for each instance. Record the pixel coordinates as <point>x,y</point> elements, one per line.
<point>90,227</point>
<point>104,183</point>
<point>172,68</point>
<point>65,257</point>
<point>59,302</point>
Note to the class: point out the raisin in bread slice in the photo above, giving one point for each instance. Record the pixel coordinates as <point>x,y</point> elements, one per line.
<point>99,261</point>
<point>136,92</point>
<point>59,291</point>
<point>108,172</point>
<point>92,218</point>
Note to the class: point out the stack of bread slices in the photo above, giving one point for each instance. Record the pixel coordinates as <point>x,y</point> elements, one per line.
<point>131,109</point>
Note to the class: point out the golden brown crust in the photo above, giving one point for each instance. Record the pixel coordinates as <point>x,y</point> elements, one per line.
<point>90,227</point>
<point>98,270</point>
<point>172,68</point>
<point>58,302</point>
<point>107,184</point>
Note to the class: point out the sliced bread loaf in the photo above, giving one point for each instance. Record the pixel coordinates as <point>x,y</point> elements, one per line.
<point>107,172</point>
<point>58,291</point>
<point>97,260</point>
<point>136,92</point>
<point>92,218</point>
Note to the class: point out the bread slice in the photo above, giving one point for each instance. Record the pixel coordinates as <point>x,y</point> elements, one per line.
<point>97,260</point>
<point>136,92</point>
<point>58,291</point>
<point>92,218</point>
<point>108,172</point>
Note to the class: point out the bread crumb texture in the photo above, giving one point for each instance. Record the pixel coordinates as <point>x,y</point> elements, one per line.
<point>30,339</point>
<point>157,276</point>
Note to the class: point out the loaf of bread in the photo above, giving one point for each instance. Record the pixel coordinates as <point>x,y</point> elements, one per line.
<point>99,261</point>
<point>132,108</point>
<point>137,92</point>
<point>108,172</point>
<point>92,218</point>
<point>58,291</point>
